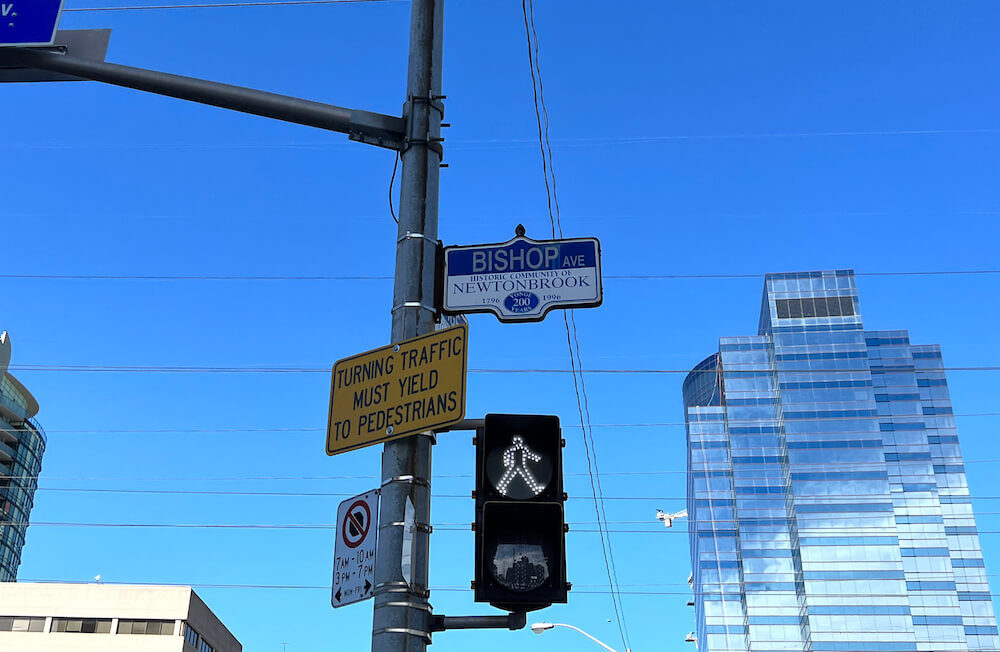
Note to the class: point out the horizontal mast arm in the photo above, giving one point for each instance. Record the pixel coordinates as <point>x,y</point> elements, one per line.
<point>365,126</point>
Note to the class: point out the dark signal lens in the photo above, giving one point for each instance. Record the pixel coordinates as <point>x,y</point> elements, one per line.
<point>521,564</point>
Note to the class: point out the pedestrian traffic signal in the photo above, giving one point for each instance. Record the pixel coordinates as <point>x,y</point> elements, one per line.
<point>520,529</point>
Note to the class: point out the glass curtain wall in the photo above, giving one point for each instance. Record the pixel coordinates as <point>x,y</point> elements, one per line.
<point>826,494</point>
<point>22,442</point>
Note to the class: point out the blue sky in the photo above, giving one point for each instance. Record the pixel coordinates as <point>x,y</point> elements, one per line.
<point>691,138</point>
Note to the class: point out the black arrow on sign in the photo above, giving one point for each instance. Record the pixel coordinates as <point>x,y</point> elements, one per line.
<point>337,594</point>
<point>368,586</point>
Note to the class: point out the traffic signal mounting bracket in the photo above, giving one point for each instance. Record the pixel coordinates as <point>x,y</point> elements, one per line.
<point>512,621</point>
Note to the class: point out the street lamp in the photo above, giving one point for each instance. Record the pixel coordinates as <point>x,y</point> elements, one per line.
<point>538,628</point>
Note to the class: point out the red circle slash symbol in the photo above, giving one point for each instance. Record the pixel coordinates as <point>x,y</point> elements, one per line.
<point>355,527</point>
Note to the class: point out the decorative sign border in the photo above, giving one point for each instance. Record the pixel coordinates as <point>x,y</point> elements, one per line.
<point>522,279</point>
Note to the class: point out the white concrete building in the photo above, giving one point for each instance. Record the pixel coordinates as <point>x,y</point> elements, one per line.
<point>43,617</point>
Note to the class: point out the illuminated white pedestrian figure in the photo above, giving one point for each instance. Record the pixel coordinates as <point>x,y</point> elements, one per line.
<point>515,462</point>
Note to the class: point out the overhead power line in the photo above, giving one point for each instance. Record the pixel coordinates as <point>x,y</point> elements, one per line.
<point>340,494</point>
<point>584,527</point>
<point>655,424</point>
<point>264,526</point>
<point>599,141</point>
<point>167,277</point>
<point>341,277</point>
<point>498,143</point>
<point>847,531</point>
<point>218,5</point>
<point>462,589</point>
<point>647,277</point>
<point>326,494</point>
<point>648,586</point>
<point>326,369</point>
<point>315,478</point>
<point>572,339</point>
<point>316,587</point>
<point>576,585</point>
<point>311,478</point>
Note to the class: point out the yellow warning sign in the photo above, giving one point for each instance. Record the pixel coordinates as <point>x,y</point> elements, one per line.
<point>398,390</point>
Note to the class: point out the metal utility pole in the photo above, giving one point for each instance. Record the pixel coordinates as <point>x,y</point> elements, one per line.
<point>402,615</point>
<point>401,621</point>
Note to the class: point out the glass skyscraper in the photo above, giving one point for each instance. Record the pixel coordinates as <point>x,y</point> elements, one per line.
<point>22,442</point>
<point>827,498</point>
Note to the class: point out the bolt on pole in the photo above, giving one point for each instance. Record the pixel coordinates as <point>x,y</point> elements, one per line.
<point>401,620</point>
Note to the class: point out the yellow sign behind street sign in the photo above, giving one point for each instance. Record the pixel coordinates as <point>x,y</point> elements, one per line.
<point>398,390</point>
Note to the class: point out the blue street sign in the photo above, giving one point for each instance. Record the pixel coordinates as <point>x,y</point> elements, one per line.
<point>521,280</point>
<point>28,22</point>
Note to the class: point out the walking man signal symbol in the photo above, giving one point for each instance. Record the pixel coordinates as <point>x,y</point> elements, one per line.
<point>515,462</point>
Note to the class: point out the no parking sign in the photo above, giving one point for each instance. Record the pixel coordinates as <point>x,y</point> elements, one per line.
<point>354,551</point>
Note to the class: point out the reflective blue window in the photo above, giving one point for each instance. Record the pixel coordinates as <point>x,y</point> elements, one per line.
<point>981,630</point>
<point>968,563</point>
<point>860,610</point>
<point>928,585</point>
<point>937,620</point>
<point>924,552</point>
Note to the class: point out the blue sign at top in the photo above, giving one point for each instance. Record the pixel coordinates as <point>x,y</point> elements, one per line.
<point>522,254</point>
<point>29,22</point>
<point>521,280</point>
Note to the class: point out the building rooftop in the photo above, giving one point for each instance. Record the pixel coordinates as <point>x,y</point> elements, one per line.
<point>66,616</point>
<point>10,387</point>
